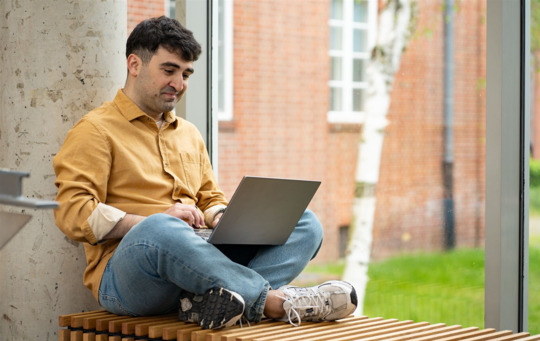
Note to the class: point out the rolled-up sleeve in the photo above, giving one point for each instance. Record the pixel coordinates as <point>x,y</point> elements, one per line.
<point>82,168</point>
<point>103,219</point>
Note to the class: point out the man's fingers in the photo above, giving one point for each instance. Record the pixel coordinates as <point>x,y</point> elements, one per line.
<point>199,217</point>
<point>189,213</point>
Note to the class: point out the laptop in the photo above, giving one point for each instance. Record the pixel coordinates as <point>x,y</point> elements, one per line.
<point>262,211</point>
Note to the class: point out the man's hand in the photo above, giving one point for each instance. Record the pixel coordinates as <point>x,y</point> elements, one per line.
<point>216,219</point>
<point>188,213</point>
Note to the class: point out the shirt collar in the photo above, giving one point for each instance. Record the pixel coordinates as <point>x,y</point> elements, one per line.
<point>131,111</point>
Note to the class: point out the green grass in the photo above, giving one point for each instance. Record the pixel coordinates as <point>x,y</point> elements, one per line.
<point>436,287</point>
<point>442,287</point>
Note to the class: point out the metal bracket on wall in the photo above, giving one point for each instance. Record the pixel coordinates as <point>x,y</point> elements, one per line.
<point>11,194</point>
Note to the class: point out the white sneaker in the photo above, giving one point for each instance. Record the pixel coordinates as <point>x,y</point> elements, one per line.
<point>329,301</point>
<point>216,308</point>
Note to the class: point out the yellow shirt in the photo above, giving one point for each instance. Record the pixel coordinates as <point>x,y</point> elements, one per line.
<point>115,161</point>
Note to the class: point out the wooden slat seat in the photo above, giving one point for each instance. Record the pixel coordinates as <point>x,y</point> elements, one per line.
<point>104,326</point>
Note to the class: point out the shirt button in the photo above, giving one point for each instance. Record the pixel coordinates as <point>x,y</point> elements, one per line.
<point>166,164</point>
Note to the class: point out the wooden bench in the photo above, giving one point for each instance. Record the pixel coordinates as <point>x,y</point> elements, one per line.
<point>104,326</point>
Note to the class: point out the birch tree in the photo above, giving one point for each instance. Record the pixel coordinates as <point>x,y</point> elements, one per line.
<point>394,28</point>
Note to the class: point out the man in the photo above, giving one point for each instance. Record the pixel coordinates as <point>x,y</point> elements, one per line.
<point>133,180</point>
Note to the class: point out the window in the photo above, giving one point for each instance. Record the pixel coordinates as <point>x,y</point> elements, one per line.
<point>352,36</point>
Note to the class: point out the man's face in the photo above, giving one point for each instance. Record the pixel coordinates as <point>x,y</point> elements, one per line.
<point>160,84</point>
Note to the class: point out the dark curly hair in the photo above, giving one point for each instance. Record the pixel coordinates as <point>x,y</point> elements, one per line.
<point>152,33</point>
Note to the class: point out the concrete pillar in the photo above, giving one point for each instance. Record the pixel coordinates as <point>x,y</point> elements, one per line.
<point>58,60</point>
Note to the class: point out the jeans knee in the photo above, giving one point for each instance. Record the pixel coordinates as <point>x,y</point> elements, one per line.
<point>313,227</point>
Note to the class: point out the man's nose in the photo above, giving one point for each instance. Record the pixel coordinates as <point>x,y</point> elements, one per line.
<point>177,84</point>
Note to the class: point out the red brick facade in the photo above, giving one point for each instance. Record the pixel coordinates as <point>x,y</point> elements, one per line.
<point>409,215</point>
<point>138,10</point>
<point>280,129</point>
<point>281,98</point>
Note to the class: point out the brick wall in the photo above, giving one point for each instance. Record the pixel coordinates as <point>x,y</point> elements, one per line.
<point>281,98</point>
<point>138,10</point>
<point>409,214</point>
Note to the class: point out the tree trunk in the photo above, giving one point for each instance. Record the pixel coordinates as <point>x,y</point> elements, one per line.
<point>396,20</point>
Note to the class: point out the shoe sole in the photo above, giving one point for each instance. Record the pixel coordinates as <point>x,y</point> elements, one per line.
<point>212,310</point>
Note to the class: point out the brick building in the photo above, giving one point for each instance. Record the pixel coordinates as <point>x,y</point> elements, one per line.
<point>282,91</point>
<point>410,190</point>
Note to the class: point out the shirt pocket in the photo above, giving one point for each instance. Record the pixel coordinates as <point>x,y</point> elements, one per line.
<point>191,163</point>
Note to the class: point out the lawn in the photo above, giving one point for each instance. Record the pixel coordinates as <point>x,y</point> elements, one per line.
<point>443,287</point>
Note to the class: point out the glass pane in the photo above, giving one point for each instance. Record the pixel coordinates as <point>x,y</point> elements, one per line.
<point>358,99</point>
<point>360,40</point>
<point>417,270</point>
<point>336,11</point>
<point>336,38</point>
<point>360,11</point>
<point>337,69</point>
<point>336,99</point>
<point>395,192</point>
<point>358,70</point>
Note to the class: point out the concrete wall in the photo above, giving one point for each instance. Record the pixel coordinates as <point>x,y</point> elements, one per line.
<point>58,60</point>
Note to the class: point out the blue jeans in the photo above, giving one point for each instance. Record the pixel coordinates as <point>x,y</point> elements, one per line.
<point>161,256</point>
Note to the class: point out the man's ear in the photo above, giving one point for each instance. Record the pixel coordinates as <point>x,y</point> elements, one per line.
<point>134,64</point>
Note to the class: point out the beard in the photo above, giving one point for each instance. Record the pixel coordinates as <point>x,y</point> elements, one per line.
<point>162,102</point>
<point>166,102</point>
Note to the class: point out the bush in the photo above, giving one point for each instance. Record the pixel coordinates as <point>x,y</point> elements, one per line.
<point>534,173</point>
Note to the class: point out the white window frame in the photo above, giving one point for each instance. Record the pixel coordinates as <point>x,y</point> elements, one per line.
<point>225,113</point>
<point>347,115</point>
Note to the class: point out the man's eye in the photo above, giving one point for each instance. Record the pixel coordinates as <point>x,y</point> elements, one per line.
<point>186,76</point>
<point>169,71</point>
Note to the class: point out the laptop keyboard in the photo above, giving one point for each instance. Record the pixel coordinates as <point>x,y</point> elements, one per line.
<point>203,233</point>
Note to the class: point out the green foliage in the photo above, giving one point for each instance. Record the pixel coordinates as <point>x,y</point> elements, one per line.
<point>534,172</point>
<point>535,25</point>
<point>534,201</point>
<point>534,188</point>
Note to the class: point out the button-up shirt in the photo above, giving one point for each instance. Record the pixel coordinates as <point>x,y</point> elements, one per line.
<point>116,160</point>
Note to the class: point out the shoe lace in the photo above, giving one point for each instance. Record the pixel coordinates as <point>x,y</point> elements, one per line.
<point>300,304</point>
<point>240,321</point>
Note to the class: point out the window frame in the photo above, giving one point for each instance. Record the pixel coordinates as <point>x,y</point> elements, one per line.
<point>225,114</point>
<point>507,165</point>
<point>347,84</point>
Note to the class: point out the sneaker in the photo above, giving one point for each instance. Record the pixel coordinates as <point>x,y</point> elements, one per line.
<point>217,308</point>
<point>329,301</point>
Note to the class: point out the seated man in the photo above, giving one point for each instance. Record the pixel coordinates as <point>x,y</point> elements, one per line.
<point>133,180</point>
